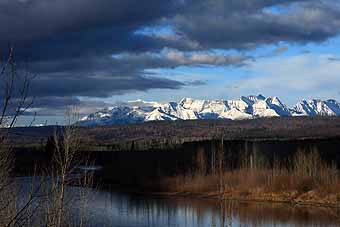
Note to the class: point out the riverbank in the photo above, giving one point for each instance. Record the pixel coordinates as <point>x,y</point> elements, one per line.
<point>304,179</point>
<point>119,208</point>
<point>250,186</point>
<point>294,198</point>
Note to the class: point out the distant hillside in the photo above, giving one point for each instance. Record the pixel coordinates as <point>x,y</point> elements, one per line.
<point>171,133</point>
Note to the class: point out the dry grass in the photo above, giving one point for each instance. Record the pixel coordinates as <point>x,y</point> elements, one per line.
<point>306,177</point>
<point>191,183</point>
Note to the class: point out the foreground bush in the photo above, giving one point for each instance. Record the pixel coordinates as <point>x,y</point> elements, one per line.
<point>305,177</point>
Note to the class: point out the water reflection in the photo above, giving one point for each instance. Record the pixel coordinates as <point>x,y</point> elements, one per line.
<point>106,208</point>
<point>117,209</point>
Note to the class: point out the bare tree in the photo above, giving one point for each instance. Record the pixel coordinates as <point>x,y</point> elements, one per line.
<point>14,101</point>
<point>221,168</point>
<point>15,87</point>
<point>67,158</point>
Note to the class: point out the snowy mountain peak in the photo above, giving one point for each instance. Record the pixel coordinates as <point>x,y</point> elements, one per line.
<point>316,107</point>
<point>247,107</point>
<point>186,101</point>
<point>256,98</point>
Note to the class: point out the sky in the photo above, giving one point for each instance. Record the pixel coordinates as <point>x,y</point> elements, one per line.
<point>92,54</point>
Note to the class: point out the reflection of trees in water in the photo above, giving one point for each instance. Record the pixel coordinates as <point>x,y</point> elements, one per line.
<point>226,213</point>
<point>271,214</point>
<point>156,212</point>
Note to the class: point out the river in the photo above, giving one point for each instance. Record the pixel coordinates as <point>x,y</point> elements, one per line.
<point>107,208</point>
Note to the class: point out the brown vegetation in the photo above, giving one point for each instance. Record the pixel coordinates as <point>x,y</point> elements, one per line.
<point>302,178</point>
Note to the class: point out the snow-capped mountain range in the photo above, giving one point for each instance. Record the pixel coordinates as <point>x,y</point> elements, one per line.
<point>247,107</point>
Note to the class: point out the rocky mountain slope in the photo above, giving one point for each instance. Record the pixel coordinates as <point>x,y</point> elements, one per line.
<point>247,107</point>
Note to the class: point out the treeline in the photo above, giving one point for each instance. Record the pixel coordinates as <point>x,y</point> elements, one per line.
<point>168,134</point>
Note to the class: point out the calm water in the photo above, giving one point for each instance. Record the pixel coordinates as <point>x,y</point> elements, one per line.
<point>117,209</point>
<point>107,208</point>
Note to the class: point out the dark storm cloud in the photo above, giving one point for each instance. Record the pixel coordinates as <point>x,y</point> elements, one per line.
<point>68,28</point>
<point>25,20</point>
<point>69,43</point>
<point>94,42</point>
<point>130,64</point>
<point>58,85</point>
<point>229,26</point>
<point>60,104</point>
<point>73,28</point>
<point>106,76</point>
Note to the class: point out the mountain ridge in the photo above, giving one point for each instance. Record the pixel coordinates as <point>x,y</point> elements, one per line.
<point>246,107</point>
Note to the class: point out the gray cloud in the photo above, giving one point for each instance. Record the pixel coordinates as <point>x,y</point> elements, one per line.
<point>333,59</point>
<point>196,83</point>
<point>42,106</point>
<point>69,43</point>
<point>107,76</point>
<point>64,85</point>
<point>38,19</point>
<point>219,25</point>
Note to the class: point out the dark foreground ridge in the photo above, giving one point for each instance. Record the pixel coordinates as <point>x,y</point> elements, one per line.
<point>169,134</point>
